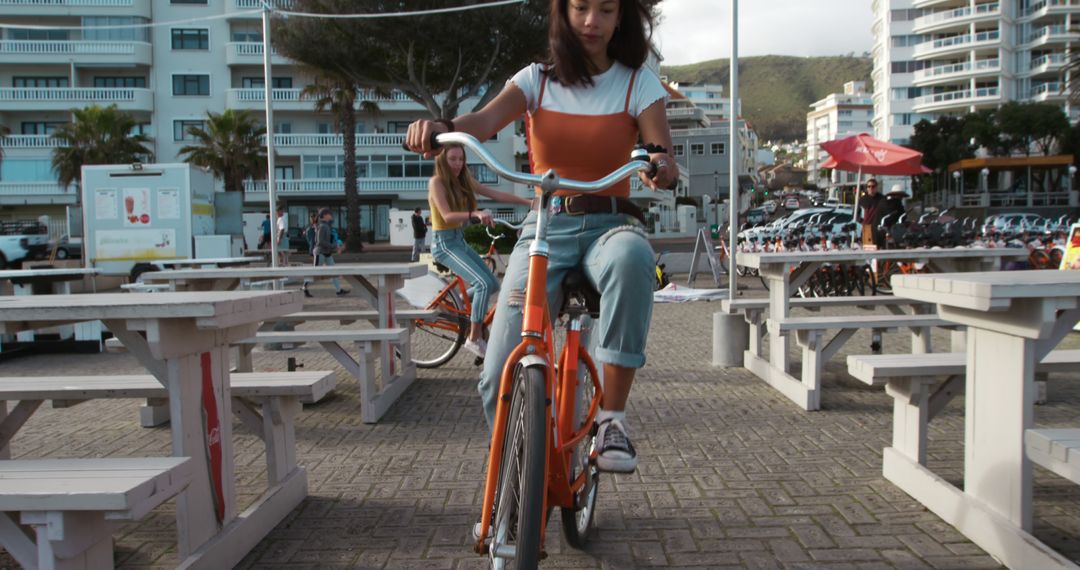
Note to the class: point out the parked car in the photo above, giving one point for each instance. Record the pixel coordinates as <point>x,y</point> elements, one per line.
<point>770,207</point>
<point>297,241</point>
<point>22,241</point>
<point>791,203</point>
<point>68,247</point>
<point>756,216</point>
<point>832,203</point>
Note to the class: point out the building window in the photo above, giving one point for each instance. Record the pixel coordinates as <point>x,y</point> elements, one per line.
<point>716,148</point>
<point>40,127</point>
<point>182,128</point>
<point>202,2</point>
<point>283,128</point>
<point>138,82</point>
<point>483,174</point>
<point>115,29</point>
<point>191,38</point>
<point>39,81</point>
<point>143,129</point>
<point>697,148</point>
<point>397,127</point>
<point>257,83</point>
<point>191,85</point>
<point>47,35</point>
<point>247,34</point>
<point>284,173</point>
<point>679,150</point>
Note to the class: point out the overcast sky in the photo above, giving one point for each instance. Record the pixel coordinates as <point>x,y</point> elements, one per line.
<point>697,30</point>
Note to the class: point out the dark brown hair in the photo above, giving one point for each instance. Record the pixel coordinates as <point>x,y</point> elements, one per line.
<point>630,45</point>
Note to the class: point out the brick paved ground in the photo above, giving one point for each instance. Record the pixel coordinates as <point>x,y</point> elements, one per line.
<point>732,474</point>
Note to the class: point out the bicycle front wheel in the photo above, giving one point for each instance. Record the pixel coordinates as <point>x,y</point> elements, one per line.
<point>519,496</point>
<point>577,520</point>
<point>435,342</point>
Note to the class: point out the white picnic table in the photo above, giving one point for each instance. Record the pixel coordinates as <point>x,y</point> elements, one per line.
<point>785,272</point>
<point>375,283</point>
<point>57,281</point>
<point>1014,319</point>
<point>205,262</point>
<point>183,339</point>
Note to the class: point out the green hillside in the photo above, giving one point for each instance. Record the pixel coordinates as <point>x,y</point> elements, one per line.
<point>777,90</point>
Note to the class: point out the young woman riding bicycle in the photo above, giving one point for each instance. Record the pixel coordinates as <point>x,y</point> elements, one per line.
<point>585,109</point>
<point>452,199</point>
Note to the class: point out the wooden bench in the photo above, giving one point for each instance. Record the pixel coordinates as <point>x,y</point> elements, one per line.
<point>923,384</point>
<point>374,402</point>
<point>1055,449</point>
<point>75,505</point>
<point>403,316</point>
<point>265,402</point>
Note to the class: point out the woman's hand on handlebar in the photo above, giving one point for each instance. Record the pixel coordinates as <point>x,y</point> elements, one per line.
<point>484,217</point>
<point>418,137</point>
<point>667,172</point>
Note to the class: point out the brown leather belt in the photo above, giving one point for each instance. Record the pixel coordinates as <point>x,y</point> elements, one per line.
<point>580,204</point>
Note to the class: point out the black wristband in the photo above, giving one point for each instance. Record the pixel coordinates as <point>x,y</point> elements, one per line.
<point>448,123</point>
<point>654,149</point>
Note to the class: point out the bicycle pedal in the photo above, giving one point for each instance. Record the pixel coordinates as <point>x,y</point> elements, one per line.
<point>478,361</point>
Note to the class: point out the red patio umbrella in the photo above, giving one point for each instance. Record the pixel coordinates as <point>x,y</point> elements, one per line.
<point>863,153</point>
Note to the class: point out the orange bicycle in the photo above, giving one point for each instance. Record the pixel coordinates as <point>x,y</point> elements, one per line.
<point>541,455</point>
<point>445,334</point>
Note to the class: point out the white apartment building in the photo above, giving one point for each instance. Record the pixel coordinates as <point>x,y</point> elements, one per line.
<point>168,77</point>
<point>837,116</point>
<point>951,57</point>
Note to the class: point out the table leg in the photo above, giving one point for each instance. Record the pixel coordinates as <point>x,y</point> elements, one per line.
<point>779,296</point>
<point>209,502</point>
<point>997,473</point>
<point>23,290</point>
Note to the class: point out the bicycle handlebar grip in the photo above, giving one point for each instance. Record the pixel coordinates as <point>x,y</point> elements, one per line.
<point>435,145</point>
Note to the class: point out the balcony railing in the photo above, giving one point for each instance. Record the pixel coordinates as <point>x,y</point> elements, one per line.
<point>90,3</point>
<point>1045,89</point>
<point>257,4</point>
<point>72,94</point>
<point>294,95</point>
<point>11,142</point>
<point>957,41</point>
<point>33,189</point>
<point>1048,59</point>
<point>337,185</point>
<point>336,140</point>
<point>1043,4</point>
<point>1038,34</point>
<point>959,96</point>
<point>250,48</point>
<point>960,13</point>
<point>985,65</point>
<point>50,47</point>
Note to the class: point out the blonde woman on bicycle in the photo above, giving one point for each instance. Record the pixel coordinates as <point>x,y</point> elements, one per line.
<point>452,199</point>
<point>585,109</point>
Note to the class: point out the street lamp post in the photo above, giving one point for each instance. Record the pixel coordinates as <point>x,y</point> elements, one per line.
<point>959,184</point>
<point>716,184</point>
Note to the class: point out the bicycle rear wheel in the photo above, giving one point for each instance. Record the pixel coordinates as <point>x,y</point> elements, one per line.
<point>490,262</point>
<point>577,520</point>
<point>519,496</point>
<point>436,342</point>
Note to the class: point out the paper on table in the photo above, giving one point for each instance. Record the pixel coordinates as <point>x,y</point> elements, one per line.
<point>419,292</point>
<point>675,294</point>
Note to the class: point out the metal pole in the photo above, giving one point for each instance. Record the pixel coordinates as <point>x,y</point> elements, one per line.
<point>733,157</point>
<point>271,189</point>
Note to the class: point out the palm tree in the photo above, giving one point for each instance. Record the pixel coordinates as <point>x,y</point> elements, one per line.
<point>338,94</point>
<point>231,146</point>
<point>97,135</point>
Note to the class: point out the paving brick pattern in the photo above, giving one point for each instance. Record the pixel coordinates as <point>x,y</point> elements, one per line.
<point>732,474</point>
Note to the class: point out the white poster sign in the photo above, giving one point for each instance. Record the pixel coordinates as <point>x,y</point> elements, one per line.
<point>135,245</point>
<point>137,207</point>
<point>105,204</point>
<point>168,204</point>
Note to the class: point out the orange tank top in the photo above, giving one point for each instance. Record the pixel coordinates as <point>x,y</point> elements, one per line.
<point>581,147</point>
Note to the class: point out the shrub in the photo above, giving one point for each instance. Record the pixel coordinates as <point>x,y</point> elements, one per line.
<point>476,237</point>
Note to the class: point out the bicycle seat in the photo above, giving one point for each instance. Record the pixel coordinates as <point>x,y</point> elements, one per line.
<point>577,286</point>
<point>441,268</point>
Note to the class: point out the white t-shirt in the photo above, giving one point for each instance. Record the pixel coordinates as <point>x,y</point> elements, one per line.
<point>605,97</point>
<point>283,222</point>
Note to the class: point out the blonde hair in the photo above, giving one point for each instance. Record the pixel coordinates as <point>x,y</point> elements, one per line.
<point>460,189</point>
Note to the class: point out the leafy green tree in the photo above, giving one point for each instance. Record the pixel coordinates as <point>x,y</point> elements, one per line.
<point>1038,125</point>
<point>231,146</point>
<point>942,142</point>
<point>338,95</point>
<point>97,135</point>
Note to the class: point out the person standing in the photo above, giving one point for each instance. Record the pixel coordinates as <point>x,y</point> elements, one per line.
<point>419,233</point>
<point>309,237</point>
<point>326,246</point>
<point>264,238</point>
<point>283,236</point>
<point>869,204</point>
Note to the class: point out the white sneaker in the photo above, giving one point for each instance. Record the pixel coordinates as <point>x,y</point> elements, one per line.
<point>477,347</point>
<point>615,453</point>
<point>476,532</point>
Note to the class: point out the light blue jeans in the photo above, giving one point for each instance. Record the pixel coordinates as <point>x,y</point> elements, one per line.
<point>449,248</point>
<point>615,255</point>
<point>321,259</point>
